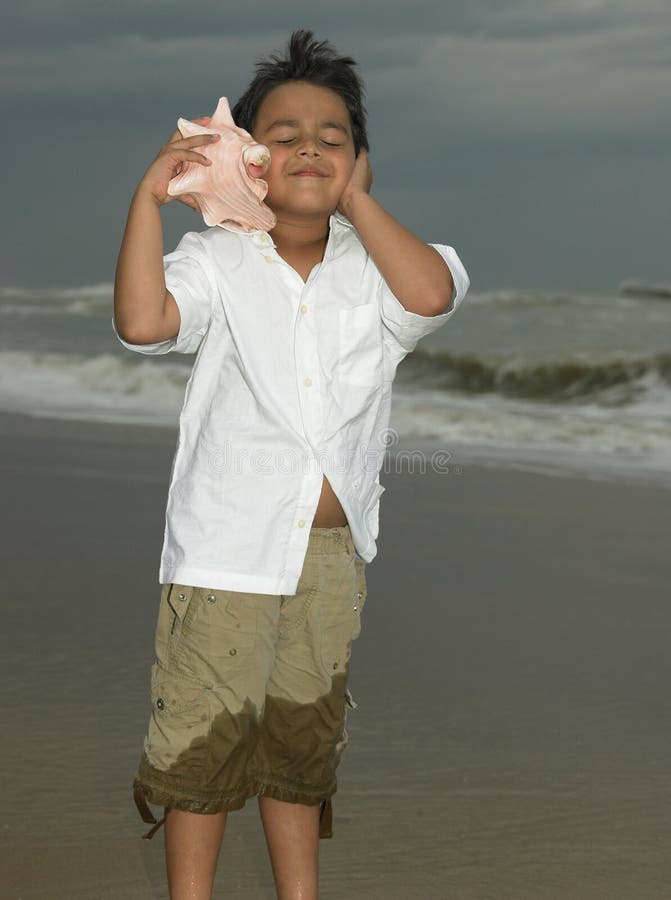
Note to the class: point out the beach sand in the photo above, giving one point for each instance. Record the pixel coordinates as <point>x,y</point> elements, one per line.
<point>511,739</point>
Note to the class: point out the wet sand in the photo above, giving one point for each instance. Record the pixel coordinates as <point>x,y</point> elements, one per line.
<point>512,679</point>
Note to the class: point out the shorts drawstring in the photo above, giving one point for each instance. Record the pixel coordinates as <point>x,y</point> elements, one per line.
<point>145,813</point>
<point>326,819</point>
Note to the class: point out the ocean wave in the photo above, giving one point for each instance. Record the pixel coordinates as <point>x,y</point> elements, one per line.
<point>633,288</point>
<point>106,387</point>
<point>520,296</point>
<point>104,289</point>
<point>626,444</point>
<point>589,434</point>
<point>615,379</point>
<point>524,299</point>
<point>94,300</point>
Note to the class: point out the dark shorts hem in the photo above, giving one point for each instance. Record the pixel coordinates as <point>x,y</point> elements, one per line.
<point>267,786</point>
<point>170,797</point>
<point>166,793</point>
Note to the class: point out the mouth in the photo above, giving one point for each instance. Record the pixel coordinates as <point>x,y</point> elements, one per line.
<point>309,173</point>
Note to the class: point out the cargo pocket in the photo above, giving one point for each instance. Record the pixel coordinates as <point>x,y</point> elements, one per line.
<point>180,712</point>
<point>218,634</point>
<point>341,743</point>
<point>342,624</point>
<point>350,703</point>
<point>360,594</point>
<point>336,639</point>
<point>174,605</point>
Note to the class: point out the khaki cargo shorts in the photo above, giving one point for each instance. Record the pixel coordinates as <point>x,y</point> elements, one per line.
<point>249,691</point>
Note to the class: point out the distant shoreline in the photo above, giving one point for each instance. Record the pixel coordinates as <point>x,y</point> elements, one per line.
<point>642,289</point>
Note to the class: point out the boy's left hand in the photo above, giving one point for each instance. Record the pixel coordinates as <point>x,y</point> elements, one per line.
<point>360,181</point>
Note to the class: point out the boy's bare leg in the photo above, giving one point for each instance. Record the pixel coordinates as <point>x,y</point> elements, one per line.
<point>292,835</point>
<point>192,845</point>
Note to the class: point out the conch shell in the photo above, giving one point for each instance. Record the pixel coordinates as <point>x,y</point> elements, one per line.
<point>225,192</point>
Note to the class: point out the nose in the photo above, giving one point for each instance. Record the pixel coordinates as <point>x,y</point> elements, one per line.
<point>308,147</point>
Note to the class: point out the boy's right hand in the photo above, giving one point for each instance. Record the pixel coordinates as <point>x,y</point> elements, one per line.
<point>170,162</point>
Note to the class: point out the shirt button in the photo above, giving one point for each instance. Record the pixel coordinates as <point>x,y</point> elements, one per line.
<point>268,259</point>
<point>307,382</point>
<point>301,523</point>
<point>304,309</point>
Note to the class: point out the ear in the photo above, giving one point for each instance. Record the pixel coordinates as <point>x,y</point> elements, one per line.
<point>222,115</point>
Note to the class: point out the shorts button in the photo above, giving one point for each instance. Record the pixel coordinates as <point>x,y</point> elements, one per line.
<point>160,703</point>
<point>359,595</point>
<point>355,608</point>
<point>211,598</point>
<point>335,665</point>
<point>232,651</point>
<point>182,597</point>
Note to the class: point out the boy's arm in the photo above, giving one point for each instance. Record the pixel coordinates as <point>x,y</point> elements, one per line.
<point>144,311</point>
<point>414,272</point>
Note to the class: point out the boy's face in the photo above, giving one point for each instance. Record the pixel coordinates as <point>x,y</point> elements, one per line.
<point>308,131</point>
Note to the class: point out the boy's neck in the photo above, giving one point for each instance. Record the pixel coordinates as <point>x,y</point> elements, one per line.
<point>301,238</point>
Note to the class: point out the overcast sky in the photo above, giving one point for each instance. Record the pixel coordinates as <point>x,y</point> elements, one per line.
<point>533,137</point>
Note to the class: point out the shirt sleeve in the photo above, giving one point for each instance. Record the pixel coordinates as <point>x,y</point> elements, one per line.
<point>188,277</point>
<point>403,329</point>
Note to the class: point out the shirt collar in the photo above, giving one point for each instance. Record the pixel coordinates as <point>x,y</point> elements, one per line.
<point>339,226</point>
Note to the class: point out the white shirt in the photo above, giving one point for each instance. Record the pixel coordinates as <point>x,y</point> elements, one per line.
<point>291,382</point>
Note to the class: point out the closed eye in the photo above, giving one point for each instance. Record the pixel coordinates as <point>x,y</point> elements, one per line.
<point>290,140</point>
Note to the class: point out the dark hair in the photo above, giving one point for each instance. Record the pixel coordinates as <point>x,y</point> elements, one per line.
<point>315,62</point>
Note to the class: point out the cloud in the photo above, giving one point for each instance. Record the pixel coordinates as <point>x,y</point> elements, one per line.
<point>43,23</point>
<point>484,102</point>
<point>478,83</point>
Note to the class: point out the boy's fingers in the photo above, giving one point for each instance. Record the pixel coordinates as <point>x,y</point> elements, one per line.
<point>177,134</point>
<point>194,138</point>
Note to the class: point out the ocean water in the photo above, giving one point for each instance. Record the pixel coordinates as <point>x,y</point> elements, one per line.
<point>560,382</point>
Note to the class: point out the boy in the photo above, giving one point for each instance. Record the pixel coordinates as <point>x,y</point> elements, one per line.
<point>273,504</point>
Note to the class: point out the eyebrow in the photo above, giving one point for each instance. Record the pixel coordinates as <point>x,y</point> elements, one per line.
<point>293,123</point>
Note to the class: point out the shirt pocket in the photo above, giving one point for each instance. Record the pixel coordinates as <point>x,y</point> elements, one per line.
<point>360,356</point>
